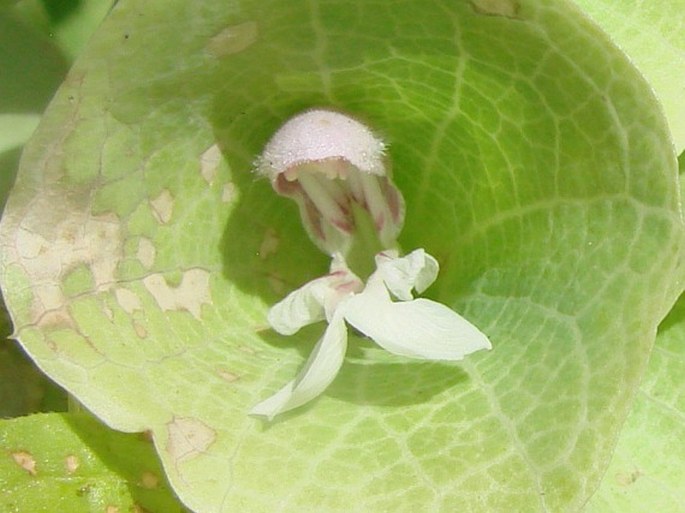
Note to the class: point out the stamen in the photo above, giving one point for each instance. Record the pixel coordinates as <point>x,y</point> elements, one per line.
<point>375,200</point>
<point>338,190</point>
<point>356,188</point>
<point>316,191</point>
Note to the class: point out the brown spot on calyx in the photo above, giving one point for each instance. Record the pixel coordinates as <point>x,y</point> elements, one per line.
<point>59,318</point>
<point>188,437</point>
<point>149,480</point>
<point>228,193</point>
<point>140,330</point>
<point>627,478</point>
<point>75,238</point>
<point>163,206</point>
<point>209,163</point>
<point>233,39</point>
<point>26,461</point>
<point>111,509</point>
<point>227,375</point>
<point>128,300</point>
<point>71,463</point>
<point>190,295</point>
<point>269,244</point>
<point>146,252</point>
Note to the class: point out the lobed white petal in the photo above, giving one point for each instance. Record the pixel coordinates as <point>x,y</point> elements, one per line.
<point>418,328</point>
<point>319,372</point>
<point>300,308</point>
<point>316,300</point>
<point>417,270</point>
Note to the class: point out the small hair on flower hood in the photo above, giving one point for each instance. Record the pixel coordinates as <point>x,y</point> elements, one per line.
<point>317,135</point>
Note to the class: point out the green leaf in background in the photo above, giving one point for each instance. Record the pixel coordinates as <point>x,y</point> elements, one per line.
<point>32,69</point>
<point>139,254</point>
<point>38,40</point>
<point>653,35</point>
<point>68,23</point>
<point>33,66</point>
<point>71,463</point>
<point>23,389</point>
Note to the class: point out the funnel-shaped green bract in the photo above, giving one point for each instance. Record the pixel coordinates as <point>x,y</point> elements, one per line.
<point>646,471</point>
<point>140,255</point>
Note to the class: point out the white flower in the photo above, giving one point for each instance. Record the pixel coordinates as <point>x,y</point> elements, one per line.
<point>415,328</point>
<point>334,167</point>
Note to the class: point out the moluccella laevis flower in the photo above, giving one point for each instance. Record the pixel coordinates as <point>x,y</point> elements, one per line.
<point>334,167</point>
<point>408,327</point>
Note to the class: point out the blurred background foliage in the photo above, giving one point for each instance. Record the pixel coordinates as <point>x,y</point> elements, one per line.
<point>39,39</point>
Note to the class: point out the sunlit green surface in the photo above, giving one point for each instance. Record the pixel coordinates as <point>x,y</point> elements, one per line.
<point>535,164</point>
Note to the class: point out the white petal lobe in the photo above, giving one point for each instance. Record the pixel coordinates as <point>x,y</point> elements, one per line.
<point>417,329</point>
<point>319,371</point>
<point>417,270</point>
<point>300,308</point>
